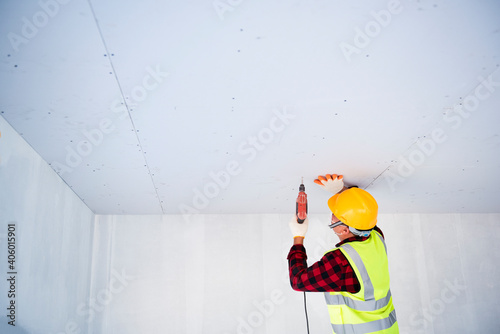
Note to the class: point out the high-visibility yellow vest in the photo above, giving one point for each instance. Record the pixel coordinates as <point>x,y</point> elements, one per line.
<point>370,310</point>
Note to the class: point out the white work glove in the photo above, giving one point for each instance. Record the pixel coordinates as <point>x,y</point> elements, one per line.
<point>298,230</point>
<point>331,182</point>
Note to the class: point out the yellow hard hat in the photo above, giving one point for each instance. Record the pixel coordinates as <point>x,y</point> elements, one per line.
<point>355,207</point>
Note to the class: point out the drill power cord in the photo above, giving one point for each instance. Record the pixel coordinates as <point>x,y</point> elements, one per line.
<point>305,309</point>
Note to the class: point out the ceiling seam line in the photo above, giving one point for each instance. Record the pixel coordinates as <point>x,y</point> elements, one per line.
<point>390,165</point>
<point>126,104</point>
<point>379,175</point>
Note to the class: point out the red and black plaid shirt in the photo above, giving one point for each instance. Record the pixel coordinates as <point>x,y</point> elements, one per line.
<point>332,273</point>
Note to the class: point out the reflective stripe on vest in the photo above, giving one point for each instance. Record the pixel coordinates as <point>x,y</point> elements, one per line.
<point>369,291</point>
<point>358,305</point>
<point>364,300</point>
<point>367,327</point>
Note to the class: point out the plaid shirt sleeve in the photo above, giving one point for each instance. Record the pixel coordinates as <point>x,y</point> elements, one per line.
<point>332,273</point>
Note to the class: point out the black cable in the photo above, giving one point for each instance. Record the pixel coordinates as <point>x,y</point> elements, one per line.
<point>305,309</point>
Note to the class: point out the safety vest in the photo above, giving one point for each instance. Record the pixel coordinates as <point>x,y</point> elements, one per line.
<point>370,310</point>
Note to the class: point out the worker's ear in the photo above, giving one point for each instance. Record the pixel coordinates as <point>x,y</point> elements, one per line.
<point>344,229</point>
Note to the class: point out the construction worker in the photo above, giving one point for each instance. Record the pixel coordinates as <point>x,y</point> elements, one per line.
<point>354,275</point>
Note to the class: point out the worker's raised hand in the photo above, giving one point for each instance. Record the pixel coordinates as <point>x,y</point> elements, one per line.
<point>298,230</point>
<point>331,182</point>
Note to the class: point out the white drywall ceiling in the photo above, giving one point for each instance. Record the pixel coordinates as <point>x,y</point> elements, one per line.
<point>137,104</point>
